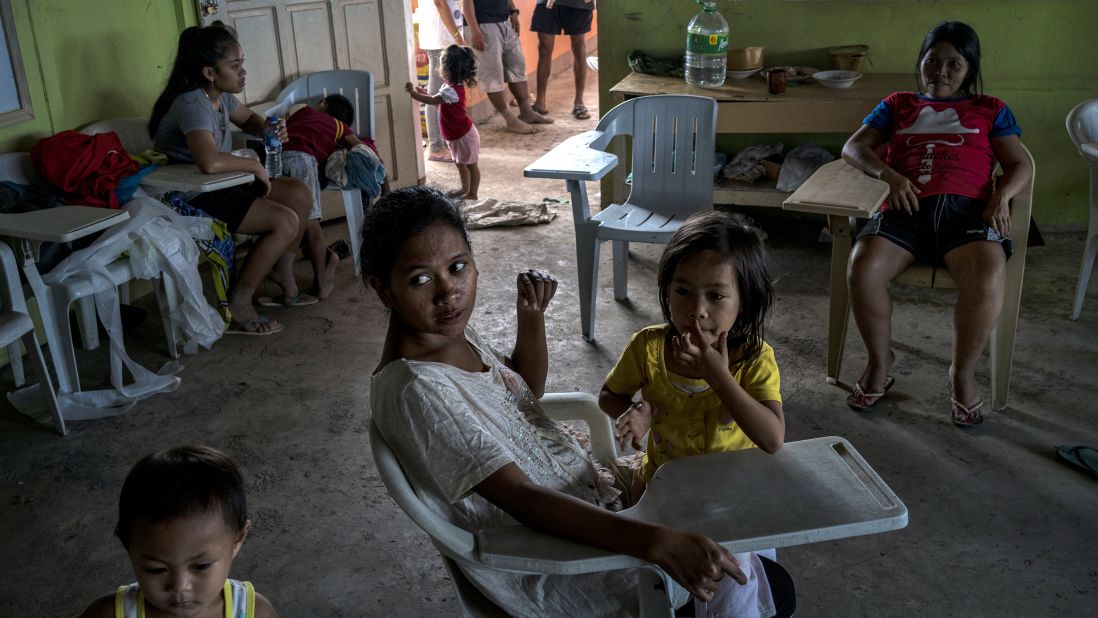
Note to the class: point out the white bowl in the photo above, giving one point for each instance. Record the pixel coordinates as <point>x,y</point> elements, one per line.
<point>742,74</point>
<point>837,79</point>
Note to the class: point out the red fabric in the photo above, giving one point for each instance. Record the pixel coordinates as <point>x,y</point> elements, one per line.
<point>453,120</point>
<point>86,168</point>
<point>315,133</point>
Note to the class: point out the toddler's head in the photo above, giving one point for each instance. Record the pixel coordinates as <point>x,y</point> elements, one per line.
<point>182,517</point>
<point>713,271</point>
<point>417,255</point>
<point>339,107</point>
<point>459,66</point>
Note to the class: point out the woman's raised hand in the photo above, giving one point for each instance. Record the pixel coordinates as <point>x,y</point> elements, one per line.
<point>634,423</point>
<point>698,563</point>
<point>902,193</point>
<point>535,290</point>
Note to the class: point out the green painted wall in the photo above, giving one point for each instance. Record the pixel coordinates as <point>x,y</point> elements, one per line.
<point>1038,55</point>
<point>90,60</point>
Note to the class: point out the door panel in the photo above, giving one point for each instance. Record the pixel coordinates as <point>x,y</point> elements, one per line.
<point>283,39</point>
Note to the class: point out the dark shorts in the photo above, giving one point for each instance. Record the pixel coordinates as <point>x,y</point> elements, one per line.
<point>561,20</point>
<point>230,205</point>
<point>942,223</point>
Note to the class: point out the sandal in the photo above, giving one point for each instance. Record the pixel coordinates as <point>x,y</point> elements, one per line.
<point>966,416</point>
<point>544,110</point>
<point>580,112</point>
<point>441,156</point>
<point>861,401</point>
<point>254,327</point>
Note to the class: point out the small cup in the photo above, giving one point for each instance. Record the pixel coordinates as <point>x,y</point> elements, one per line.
<point>775,80</point>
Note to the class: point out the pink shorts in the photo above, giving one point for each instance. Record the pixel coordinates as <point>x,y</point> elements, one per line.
<point>466,149</point>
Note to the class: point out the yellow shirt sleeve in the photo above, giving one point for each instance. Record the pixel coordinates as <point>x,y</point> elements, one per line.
<point>761,379</point>
<point>629,374</point>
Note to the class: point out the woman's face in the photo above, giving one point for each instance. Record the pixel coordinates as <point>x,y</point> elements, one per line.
<point>704,288</point>
<point>942,69</point>
<point>228,74</point>
<point>433,285</point>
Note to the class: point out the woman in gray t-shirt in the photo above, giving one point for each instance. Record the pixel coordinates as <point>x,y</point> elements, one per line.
<point>190,123</point>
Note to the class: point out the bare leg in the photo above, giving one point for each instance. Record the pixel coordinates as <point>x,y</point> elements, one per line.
<point>474,181</point>
<point>514,125</point>
<point>874,263</point>
<point>276,225</point>
<point>526,113</point>
<point>545,69</point>
<point>979,269</point>
<point>324,261</point>
<point>463,173</point>
<point>295,195</point>
<point>579,67</point>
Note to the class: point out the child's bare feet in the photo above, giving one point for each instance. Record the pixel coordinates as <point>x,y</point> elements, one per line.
<point>326,283</point>
<point>514,125</point>
<point>456,193</point>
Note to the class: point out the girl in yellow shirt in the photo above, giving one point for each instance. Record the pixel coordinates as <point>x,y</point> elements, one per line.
<point>708,382</point>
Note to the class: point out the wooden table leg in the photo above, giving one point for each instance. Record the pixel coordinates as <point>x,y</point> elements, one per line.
<point>839,311</point>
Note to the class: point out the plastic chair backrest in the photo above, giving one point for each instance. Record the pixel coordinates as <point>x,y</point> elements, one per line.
<point>1082,123</point>
<point>674,138</point>
<point>358,86</point>
<point>132,132</point>
<point>17,167</point>
<point>11,290</point>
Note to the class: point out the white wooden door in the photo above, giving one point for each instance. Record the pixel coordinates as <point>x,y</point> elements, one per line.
<point>284,39</point>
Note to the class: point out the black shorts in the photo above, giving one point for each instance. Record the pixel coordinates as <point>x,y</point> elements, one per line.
<point>942,223</point>
<point>229,205</point>
<point>561,20</point>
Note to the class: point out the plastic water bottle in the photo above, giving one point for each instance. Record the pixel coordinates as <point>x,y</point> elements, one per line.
<point>273,146</point>
<point>706,47</point>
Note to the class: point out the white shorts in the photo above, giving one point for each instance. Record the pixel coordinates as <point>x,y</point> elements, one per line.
<point>466,149</point>
<point>501,62</point>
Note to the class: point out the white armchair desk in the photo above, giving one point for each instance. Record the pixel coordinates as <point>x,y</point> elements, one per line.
<point>187,177</point>
<point>810,491</point>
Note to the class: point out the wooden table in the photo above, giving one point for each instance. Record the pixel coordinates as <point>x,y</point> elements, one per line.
<point>745,106</point>
<point>810,491</point>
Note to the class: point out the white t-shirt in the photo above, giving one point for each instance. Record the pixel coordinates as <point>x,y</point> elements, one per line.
<point>432,30</point>
<point>451,429</point>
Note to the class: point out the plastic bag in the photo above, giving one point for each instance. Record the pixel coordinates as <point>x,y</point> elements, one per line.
<point>799,164</point>
<point>747,165</point>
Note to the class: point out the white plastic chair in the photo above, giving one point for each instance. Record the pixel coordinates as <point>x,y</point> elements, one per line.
<point>55,300</point>
<point>1082,126</point>
<point>358,86</point>
<point>673,138</point>
<point>543,553</point>
<point>15,324</point>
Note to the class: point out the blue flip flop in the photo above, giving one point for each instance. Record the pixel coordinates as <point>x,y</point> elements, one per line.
<point>1084,458</point>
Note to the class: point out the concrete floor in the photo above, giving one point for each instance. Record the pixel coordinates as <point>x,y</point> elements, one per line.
<point>998,526</point>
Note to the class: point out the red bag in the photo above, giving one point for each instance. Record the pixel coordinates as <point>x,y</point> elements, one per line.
<point>86,168</point>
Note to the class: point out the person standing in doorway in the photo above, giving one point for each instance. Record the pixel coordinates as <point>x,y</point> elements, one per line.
<point>493,27</point>
<point>554,17</point>
<point>439,28</point>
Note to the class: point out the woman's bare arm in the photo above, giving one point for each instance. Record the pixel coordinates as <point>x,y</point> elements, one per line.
<point>860,151</point>
<point>1017,172</point>
<point>694,561</point>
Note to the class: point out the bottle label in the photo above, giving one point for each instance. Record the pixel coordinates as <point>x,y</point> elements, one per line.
<point>706,43</point>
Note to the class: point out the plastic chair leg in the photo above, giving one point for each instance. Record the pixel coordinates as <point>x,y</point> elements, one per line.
<point>30,341</point>
<point>85,320</point>
<point>587,264</point>
<point>839,310</point>
<point>352,203</point>
<point>167,300</point>
<point>654,594</point>
<point>621,270</point>
<point>15,359</point>
<point>1091,248</point>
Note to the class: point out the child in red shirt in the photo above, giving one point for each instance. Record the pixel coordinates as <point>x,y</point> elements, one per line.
<point>459,69</point>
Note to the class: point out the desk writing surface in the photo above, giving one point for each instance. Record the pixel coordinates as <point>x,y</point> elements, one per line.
<point>838,188</point>
<point>810,491</point>
<point>61,223</point>
<point>187,177</point>
<point>745,106</point>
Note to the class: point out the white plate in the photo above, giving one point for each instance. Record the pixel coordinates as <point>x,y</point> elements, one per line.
<point>837,79</point>
<point>741,74</point>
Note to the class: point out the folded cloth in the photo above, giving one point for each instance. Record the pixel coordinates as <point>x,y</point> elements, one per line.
<point>365,171</point>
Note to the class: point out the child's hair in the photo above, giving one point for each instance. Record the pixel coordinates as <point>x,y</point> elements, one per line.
<point>398,216</point>
<point>963,38</point>
<point>199,47</point>
<point>459,66</point>
<point>339,107</point>
<point>741,244</point>
<point>185,480</point>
